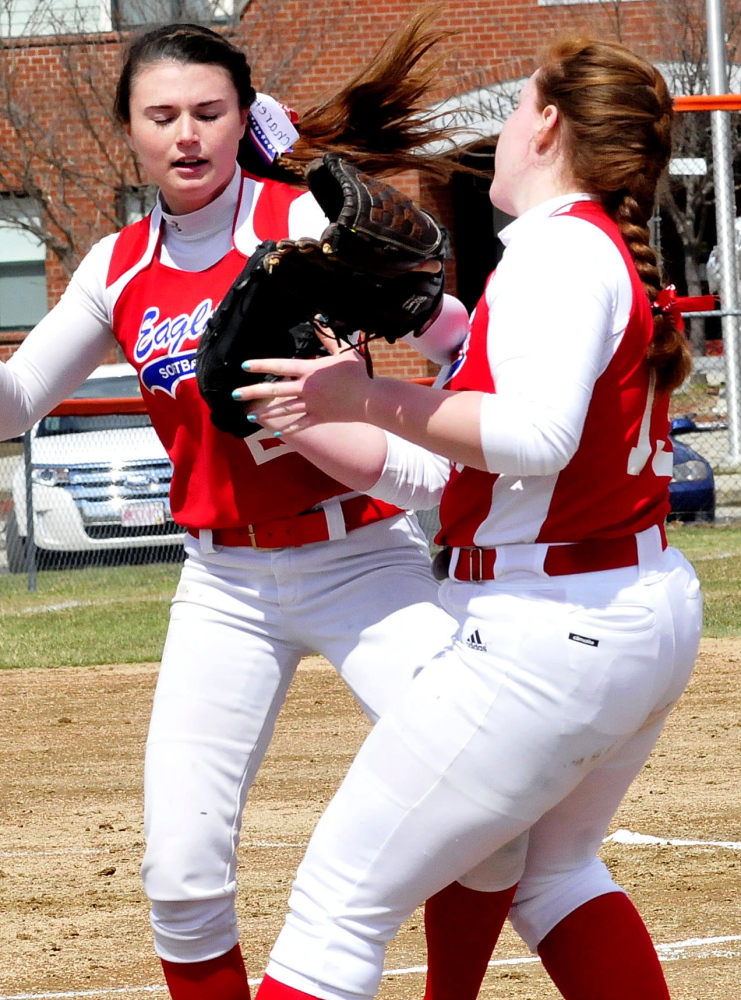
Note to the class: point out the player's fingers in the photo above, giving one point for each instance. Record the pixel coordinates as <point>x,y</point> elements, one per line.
<point>278,410</point>
<point>287,367</point>
<point>277,424</point>
<point>298,424</point>
<point>264,391</point>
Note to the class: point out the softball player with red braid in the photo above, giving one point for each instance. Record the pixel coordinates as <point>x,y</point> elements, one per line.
<point>282,559</point>
<point>497,772</point>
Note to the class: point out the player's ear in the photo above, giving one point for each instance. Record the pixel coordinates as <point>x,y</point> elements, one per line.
<point>550,116</point>
<point>547,134</point>
<point>129,138</point>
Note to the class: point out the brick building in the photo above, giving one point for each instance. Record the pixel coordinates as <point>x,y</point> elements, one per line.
<point>67,178</point>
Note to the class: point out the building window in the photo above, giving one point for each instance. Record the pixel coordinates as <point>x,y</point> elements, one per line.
<point>52,17</point>
<point>28,18</point>
<point>133,13</point>
<point>23,300</point>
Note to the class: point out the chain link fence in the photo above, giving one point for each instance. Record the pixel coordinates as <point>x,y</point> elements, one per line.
<point>695,235</point>
<point>704,463</point>
<point>89,484</point>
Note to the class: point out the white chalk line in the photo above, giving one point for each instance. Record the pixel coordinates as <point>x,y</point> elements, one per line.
<point>627,838</point>
<point>667,953</point>
<point>42,609</point>
<point>64,606</point>
<point>678,949</point>
<point>630,839</point>
<point>716,555</point>
<point>671,952</point>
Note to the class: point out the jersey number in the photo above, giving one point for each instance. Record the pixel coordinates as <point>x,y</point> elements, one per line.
<point>662,462</point>
<point>264,447</point>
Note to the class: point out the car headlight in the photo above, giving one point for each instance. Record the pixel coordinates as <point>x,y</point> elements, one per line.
<point>50,475</point>
<point>691,471</point>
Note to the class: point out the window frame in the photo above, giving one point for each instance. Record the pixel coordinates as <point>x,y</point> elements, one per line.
<point>14,208</point>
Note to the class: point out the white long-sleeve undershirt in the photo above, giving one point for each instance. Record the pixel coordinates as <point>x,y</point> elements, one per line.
<point>412,477</point>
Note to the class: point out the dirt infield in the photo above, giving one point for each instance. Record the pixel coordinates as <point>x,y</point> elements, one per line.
<point>74,917</point>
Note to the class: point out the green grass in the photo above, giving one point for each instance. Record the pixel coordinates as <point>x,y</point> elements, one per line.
<point>715,552</point>
<point>114,614</point>
<point>118,614</point>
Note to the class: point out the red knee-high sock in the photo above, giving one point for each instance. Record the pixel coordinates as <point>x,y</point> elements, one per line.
<point>271,989</point>
<point>462,926</point>
<point>222,978</point>
<point>602,951</point>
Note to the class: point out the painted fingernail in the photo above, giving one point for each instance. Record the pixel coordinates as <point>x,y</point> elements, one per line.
<point>236,394</point>
<point>277,434</point>
<point>252,418</point>
<point>321,319</point>
<point>246,366</point>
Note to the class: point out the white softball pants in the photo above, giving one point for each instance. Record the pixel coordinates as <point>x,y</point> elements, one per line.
<point>504,760</point>
<point>241,620</point>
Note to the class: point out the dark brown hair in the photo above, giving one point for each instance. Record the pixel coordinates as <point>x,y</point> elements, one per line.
<point>183,43</point>
<point>616,114</point>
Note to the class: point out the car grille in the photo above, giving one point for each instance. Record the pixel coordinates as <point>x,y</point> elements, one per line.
<point>99,490</point>
<point>136,531</point>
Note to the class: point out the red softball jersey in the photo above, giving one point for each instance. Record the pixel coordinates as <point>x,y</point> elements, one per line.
<point>617,481</point>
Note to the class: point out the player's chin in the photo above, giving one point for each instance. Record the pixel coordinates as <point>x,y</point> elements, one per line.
<point>187,189</point>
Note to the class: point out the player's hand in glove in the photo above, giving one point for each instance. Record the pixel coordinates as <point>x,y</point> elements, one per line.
<point>251,318</point>
<point>378,266</point>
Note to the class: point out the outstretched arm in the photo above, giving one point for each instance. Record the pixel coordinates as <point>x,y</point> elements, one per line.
<point>59,353</point>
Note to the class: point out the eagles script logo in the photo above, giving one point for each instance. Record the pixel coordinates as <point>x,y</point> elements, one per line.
<point>172,339</point>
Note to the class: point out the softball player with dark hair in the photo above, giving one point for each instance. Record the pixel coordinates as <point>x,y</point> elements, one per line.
<point>499,768</point>
<point>282,559</point>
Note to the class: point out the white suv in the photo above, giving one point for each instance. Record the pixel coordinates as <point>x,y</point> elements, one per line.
<point>100,482</point>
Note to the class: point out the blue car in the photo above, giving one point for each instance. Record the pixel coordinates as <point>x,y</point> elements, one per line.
<point>692,489</point>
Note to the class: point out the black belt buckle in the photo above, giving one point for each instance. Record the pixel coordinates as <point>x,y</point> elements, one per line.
<point>441,564</point>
